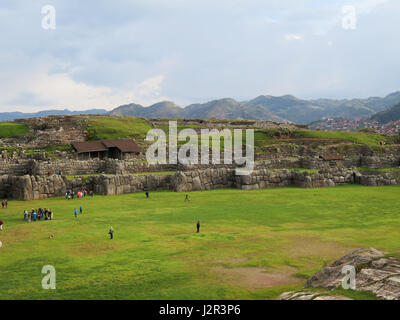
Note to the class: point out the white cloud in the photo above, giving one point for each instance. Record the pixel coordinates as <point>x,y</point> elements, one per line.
<point>293,37</point>
<point>150,87</point>
<point>42,89</point>
<point>367,6</point>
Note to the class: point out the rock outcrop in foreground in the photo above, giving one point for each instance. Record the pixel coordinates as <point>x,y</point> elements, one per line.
<point>375,273</point>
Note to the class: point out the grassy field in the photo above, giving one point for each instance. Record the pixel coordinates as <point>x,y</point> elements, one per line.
<point>117,127</point>
<point>12,129</point>
<point>252,245</point>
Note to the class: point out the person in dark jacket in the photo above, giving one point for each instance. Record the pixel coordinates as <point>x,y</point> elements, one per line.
<point>111,233</point>
<point>198,226</point>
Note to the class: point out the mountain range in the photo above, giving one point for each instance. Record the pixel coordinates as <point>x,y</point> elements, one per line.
<point>11,116</point>
<point>265,107</point>
<point>283,108</point>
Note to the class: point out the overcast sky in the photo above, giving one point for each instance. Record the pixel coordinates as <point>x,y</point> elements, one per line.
<point>106,53</point>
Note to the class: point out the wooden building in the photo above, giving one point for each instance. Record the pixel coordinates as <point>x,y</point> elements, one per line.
<point>121,149</point>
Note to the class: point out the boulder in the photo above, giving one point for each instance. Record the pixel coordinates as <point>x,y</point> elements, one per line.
<point>375,272</point>
<point>331,276</point>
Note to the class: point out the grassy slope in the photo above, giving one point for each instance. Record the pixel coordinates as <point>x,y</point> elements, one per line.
<point>371,139</point>
<point>12,129</point>
<point>157,255</point>
<point>117,127</point>
<point>265,137</point>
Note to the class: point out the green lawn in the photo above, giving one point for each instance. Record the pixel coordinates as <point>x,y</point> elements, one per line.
<point>12,129</point>
<point>108,127</point>
<point>252,245</point>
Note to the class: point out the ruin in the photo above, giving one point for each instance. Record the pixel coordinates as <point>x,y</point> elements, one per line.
<point>112,166</point>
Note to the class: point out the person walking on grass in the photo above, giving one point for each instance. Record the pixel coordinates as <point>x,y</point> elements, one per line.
<point>187,198</point>
<point>80,210</point>
<point>1,225</point>
<point>198,226</point>
<point>147,194</point>
<point>111,233</point>
<point>76,213</point>
<point>3,204</point>
<point>6,203</point>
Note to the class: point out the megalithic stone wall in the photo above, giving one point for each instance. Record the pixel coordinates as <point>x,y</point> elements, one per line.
<point>185,181</point>
<point>122,184</point>
<point>32,187</point>
<point>41,187</point>
<point>207,179</point>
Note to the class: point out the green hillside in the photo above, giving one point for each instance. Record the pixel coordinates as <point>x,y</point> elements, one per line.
<point>108,127</point>
<point>393,114</point>
<point>265,137</point>
<point>12,129</point>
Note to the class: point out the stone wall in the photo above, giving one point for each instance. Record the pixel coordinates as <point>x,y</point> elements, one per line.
<point>15,167</point>
<point>263,178</point>
<point>379,162</point>
<point>376,178</point>
<point>32,187</point>
<point>41,187</point>
<point>208,179</point>
<point>20,167</point>
<point>122,184</point>
<point>93,166</point>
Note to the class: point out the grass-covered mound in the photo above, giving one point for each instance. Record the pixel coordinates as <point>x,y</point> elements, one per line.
<point>252,245</point>
<point>371,139</point>
<point>108,127</point>
<point>12,129</point>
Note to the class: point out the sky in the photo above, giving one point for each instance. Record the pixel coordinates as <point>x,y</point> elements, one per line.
<point>102,54</point>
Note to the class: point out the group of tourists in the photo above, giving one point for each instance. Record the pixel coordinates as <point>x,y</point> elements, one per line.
<point>39,214</point>
<point>47,214</point>
<point>80,194</point>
